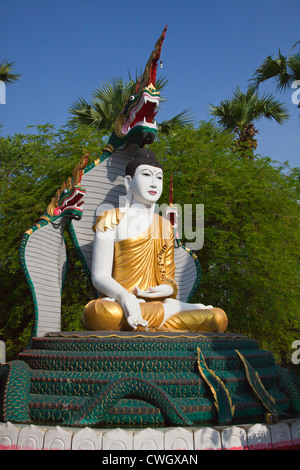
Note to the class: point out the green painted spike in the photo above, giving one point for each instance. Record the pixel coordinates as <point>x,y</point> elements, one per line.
<point>257,386</point>
<point>223,401</point>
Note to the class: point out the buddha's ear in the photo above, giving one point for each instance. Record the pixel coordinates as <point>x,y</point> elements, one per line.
<point>127,182</point>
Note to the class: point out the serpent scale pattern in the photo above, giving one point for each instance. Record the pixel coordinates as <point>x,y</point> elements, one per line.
<point>142,379</point>
<point>15,377</point>
<point>94,412</point>
<point>289,384</point>
<point>88,384</point>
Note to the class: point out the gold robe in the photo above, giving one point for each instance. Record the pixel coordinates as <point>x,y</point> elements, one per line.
<point>144,261</point>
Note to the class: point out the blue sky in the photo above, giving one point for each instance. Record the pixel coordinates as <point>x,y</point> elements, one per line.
<point>65,48</point>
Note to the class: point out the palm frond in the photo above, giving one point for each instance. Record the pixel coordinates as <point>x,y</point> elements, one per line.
<point>244,108</point>
<point>6,74</point>
<point>283,69</point>
<point>226,113</point>
<point>97,114</point>
<point>269,107</point>
<point>161,83</point>
<point>294,66</point>
<point>114,91</point>
<point>296,43</point>
<point>270,68</point>
<point>182,119</point>
<point>108,101</point>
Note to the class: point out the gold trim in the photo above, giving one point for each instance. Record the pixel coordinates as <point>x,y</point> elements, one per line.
<point>69,184</point>
<point>151,87</point>
<point>232,407</point>
<point>116,335</point>
<point>44,217</point>
<point>173,284</point>
<point>78,170</point>
<point>108,148</point>
<point>119,123</point>
<point>108,220</point>
<point>244,361</point>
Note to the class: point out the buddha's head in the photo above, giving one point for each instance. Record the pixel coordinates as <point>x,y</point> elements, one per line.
<point>144,177</point>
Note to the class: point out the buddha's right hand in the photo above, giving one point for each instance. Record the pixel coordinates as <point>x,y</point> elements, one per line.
<point>132,309</point>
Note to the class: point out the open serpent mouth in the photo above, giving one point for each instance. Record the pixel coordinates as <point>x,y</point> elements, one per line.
<point>143,113</point>
<point>73,202</point>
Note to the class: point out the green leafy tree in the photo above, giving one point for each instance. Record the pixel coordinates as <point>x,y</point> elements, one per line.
<point>239,114</point>
<point>32,168</point>
<point>250,255</point>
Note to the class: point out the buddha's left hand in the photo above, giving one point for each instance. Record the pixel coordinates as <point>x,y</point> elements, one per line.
<point>161,291</point>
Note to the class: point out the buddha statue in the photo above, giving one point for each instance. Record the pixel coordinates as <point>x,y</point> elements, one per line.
<point>133,265</point>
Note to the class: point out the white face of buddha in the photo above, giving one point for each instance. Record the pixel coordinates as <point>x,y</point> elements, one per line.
<point>146,185</point>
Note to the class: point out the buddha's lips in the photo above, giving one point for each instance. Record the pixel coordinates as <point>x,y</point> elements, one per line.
<point>152,193</point>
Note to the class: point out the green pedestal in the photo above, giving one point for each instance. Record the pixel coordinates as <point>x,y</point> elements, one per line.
<point>144,379</point>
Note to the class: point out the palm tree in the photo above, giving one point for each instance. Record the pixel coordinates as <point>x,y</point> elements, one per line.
<point>6,74</point>
<point>108,101</point>
<point>239,114</point>
<point>284,69</point>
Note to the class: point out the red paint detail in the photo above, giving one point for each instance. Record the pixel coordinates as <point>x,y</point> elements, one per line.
<point>10,447</point>
<point>238,448</point>
<point>260,447</point>
<point>283,445</point>
<point>171,191</point>
<point>172,218</point>
<point>147,111</point>
<point>137,85</point>
<point>152,75</point>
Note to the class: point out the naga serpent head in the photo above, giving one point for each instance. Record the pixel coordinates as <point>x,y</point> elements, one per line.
<point>68,200</point>
<point>135,123</point>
